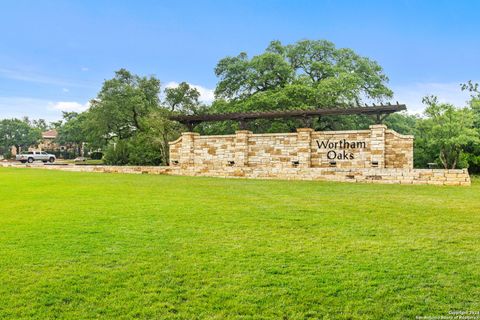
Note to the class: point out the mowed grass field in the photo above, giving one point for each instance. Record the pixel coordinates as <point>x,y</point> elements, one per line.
<point>113,246</point>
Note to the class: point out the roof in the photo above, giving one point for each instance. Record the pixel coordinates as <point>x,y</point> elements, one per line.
<point>50,134</point>
<point>386,109</point>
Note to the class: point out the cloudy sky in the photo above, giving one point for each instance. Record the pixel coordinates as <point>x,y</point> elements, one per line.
<point>54,55</point>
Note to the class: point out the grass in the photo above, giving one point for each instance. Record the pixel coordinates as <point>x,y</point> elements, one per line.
<point>87,161</point>
<point>89,245</point>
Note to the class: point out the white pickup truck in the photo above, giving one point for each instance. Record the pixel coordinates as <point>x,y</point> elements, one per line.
<point>35,155</point>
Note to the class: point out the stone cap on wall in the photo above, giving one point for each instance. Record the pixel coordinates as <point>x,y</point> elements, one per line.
<point>404,136</point>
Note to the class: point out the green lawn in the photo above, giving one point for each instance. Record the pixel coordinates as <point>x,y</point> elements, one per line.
<point>90,245</point>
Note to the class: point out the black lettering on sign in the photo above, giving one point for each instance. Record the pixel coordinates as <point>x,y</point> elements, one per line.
<point>331,155</point>
<point>322,144</point>
<point>342,144</point>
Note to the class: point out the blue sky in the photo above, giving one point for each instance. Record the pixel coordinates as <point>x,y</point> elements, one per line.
<point>54,55</point>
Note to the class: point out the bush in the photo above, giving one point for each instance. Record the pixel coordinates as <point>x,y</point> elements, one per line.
<point>143,151</point>
<point>63,154</point>
<point>473,163</point>
<point>139,150</point>
<point>7,154</point>
<point>68,154</point>
<point>117,154</point>
<point>96,155</point>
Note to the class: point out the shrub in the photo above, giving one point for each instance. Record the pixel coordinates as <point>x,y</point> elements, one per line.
<point>7,154</point>
<point>117,154</point>
<point>144,151</point>
<point>96,155</point>
<point>140,150</point>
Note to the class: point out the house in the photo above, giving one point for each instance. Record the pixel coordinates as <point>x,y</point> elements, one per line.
<point>49,144</point>
<point>48,141</point>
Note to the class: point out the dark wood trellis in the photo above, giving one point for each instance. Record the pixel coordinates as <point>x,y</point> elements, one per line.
<point>379,111</point>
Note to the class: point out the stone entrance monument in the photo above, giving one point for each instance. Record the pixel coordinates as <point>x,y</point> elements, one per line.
<point>375,155</point>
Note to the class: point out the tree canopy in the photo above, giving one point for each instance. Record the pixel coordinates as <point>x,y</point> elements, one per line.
<point>18,133</point>
<point>304,75</point>
<point>447,130</point>
<point>183,99</point>
<point>72,130</point>
<point>130,121</point>
<point>300,75</point>
<point>121,106</point>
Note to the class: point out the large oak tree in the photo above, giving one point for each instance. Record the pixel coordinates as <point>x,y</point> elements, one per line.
<point>303,75</point>
<point>122,106</point>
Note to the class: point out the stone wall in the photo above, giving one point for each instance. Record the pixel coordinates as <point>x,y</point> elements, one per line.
<point>377,147</point>
<point>398,150</point>
<point>454,177</point>
<point>365,175</point>
<point>377,155</point>
<point>271,150</point>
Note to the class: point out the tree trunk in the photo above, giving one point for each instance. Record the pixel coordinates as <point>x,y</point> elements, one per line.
<point>454,164</point>
<point>443,160</point>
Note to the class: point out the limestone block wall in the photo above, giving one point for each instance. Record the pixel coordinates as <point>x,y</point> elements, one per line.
<point>272,150</point>
<point>377,147</point>
<point>398,150</point>
<point>213,151</point>
<point>453,177</point>
<point>450,177</point>
<point>175,147</point>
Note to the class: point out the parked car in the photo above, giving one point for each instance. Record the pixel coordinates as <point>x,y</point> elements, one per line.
<point>34,156</point>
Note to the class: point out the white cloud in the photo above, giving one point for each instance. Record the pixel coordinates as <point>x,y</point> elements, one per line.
<point>34,108</point>
<point>412,94</point>
<point>18,107</point>
<point>69,106</point>
<point>206,95</point>
<point>84,69</point>
<point>65,90</point>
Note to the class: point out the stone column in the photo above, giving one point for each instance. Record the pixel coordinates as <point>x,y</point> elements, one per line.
<point>241,148</point>
<point>304,140</point>
<point>377,145</point>
<point>187,149</point>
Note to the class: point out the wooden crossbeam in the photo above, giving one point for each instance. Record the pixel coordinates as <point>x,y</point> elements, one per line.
<point>192,120</point>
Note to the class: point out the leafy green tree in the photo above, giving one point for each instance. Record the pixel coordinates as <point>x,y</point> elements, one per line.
<point>183,99</point>
<point>472,151</point>
<point>403,122</point>
<point>130,122</point>
<point>41,124</point>
<point>161,131</point>
<point>306,74</point>
<point>73,130</point>
<point>18,133</point>
<point>121,107</point>
<point>447,130</point>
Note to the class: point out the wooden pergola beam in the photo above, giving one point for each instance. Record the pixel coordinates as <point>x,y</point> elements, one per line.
<point>242,117</point>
